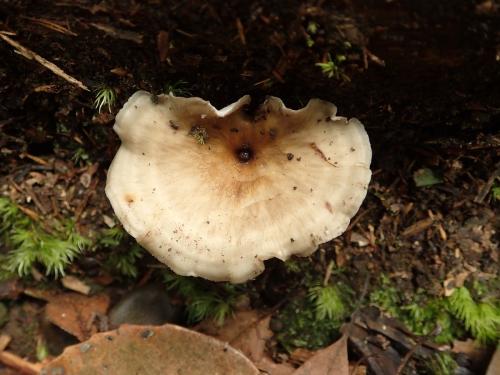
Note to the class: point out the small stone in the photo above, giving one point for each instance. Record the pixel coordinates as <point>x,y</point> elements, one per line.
<point>148,305</point>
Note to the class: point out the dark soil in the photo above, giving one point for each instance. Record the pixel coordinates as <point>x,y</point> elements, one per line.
<point>423,77</point>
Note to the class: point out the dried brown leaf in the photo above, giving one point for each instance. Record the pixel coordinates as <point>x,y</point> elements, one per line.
<point>167,349</point>
<point>329,361</point>
<point>249,331</point>
<point>73,312</point>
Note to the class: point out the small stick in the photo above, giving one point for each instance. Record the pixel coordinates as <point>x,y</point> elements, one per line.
<point>241,31</point>
<point>4,341</point>
<point>51,25</point>
<point>25,367</point>
<point>34,158</point>
<point>30,55</point>
<point>357,219</point>
<point>483,192</point>
<point>117,33</point>
<point>406,359</point>
<point>328,273</point>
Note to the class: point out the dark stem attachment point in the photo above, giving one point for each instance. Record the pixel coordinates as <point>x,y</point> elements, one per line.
<point>244,154</point>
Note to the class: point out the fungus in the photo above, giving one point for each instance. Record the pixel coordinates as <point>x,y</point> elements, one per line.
<point>218,200</point>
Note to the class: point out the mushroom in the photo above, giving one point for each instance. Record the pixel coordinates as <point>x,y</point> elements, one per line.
<point>214,193</point>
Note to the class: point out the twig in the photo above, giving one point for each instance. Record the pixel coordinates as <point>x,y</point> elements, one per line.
<point>30,55</point>
<point>328,273</point>
<point>51,25</point>
<point>241,31</point>
<point>483,192</point>
<point>117,33</point>
<point>34,158</point>
<point>11,360</point>
<point>4,341</point>
<point>85,200</point>
<point>367,55</point>
<point>358,218</point>
<point>406,358</point>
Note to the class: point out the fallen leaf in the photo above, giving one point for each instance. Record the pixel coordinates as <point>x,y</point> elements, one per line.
<point>268,366</point>
<point>357,370</point>
<point>166,349</point>
<point>329,361</point>
<point>476,354</point>
<point>73,312</point>
<point>426,177</point>
<point>249,331</point>
<point>76,314</point>
<point>418,227</point>
<point>300,355</point>
<point>494,367</point>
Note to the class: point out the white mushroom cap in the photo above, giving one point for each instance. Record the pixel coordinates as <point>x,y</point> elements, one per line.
<point>214,193</point>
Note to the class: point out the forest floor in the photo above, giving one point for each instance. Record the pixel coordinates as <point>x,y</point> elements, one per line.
<point>423,77</point>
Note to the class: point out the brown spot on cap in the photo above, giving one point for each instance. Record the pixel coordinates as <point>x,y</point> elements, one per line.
<point>129,198</point>
<point>329,207</point>
<point>173,125</point>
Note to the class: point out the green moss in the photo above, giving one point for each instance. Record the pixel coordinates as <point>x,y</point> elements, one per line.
<point>312,320</point>
<point>332,67</point>
<point>199,133</point>
<point>205,299</point>
<point>451,317</point>
<point>53,246</point>
<point>331,301</point>
<point>56,244</point>
<point>303,329</point>
<point>439,364</point>
<point>481,318</point>
<point>124,253</point>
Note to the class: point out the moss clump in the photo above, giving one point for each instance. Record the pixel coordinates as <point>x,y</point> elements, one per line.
<point>200,134</point>
<point>481,318</point>
<point>124,254</point>
<point>452,317</point>
<point>205,299</point>
<point>53,245</point>
<point>439,364</point>
<point>298,326</point>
